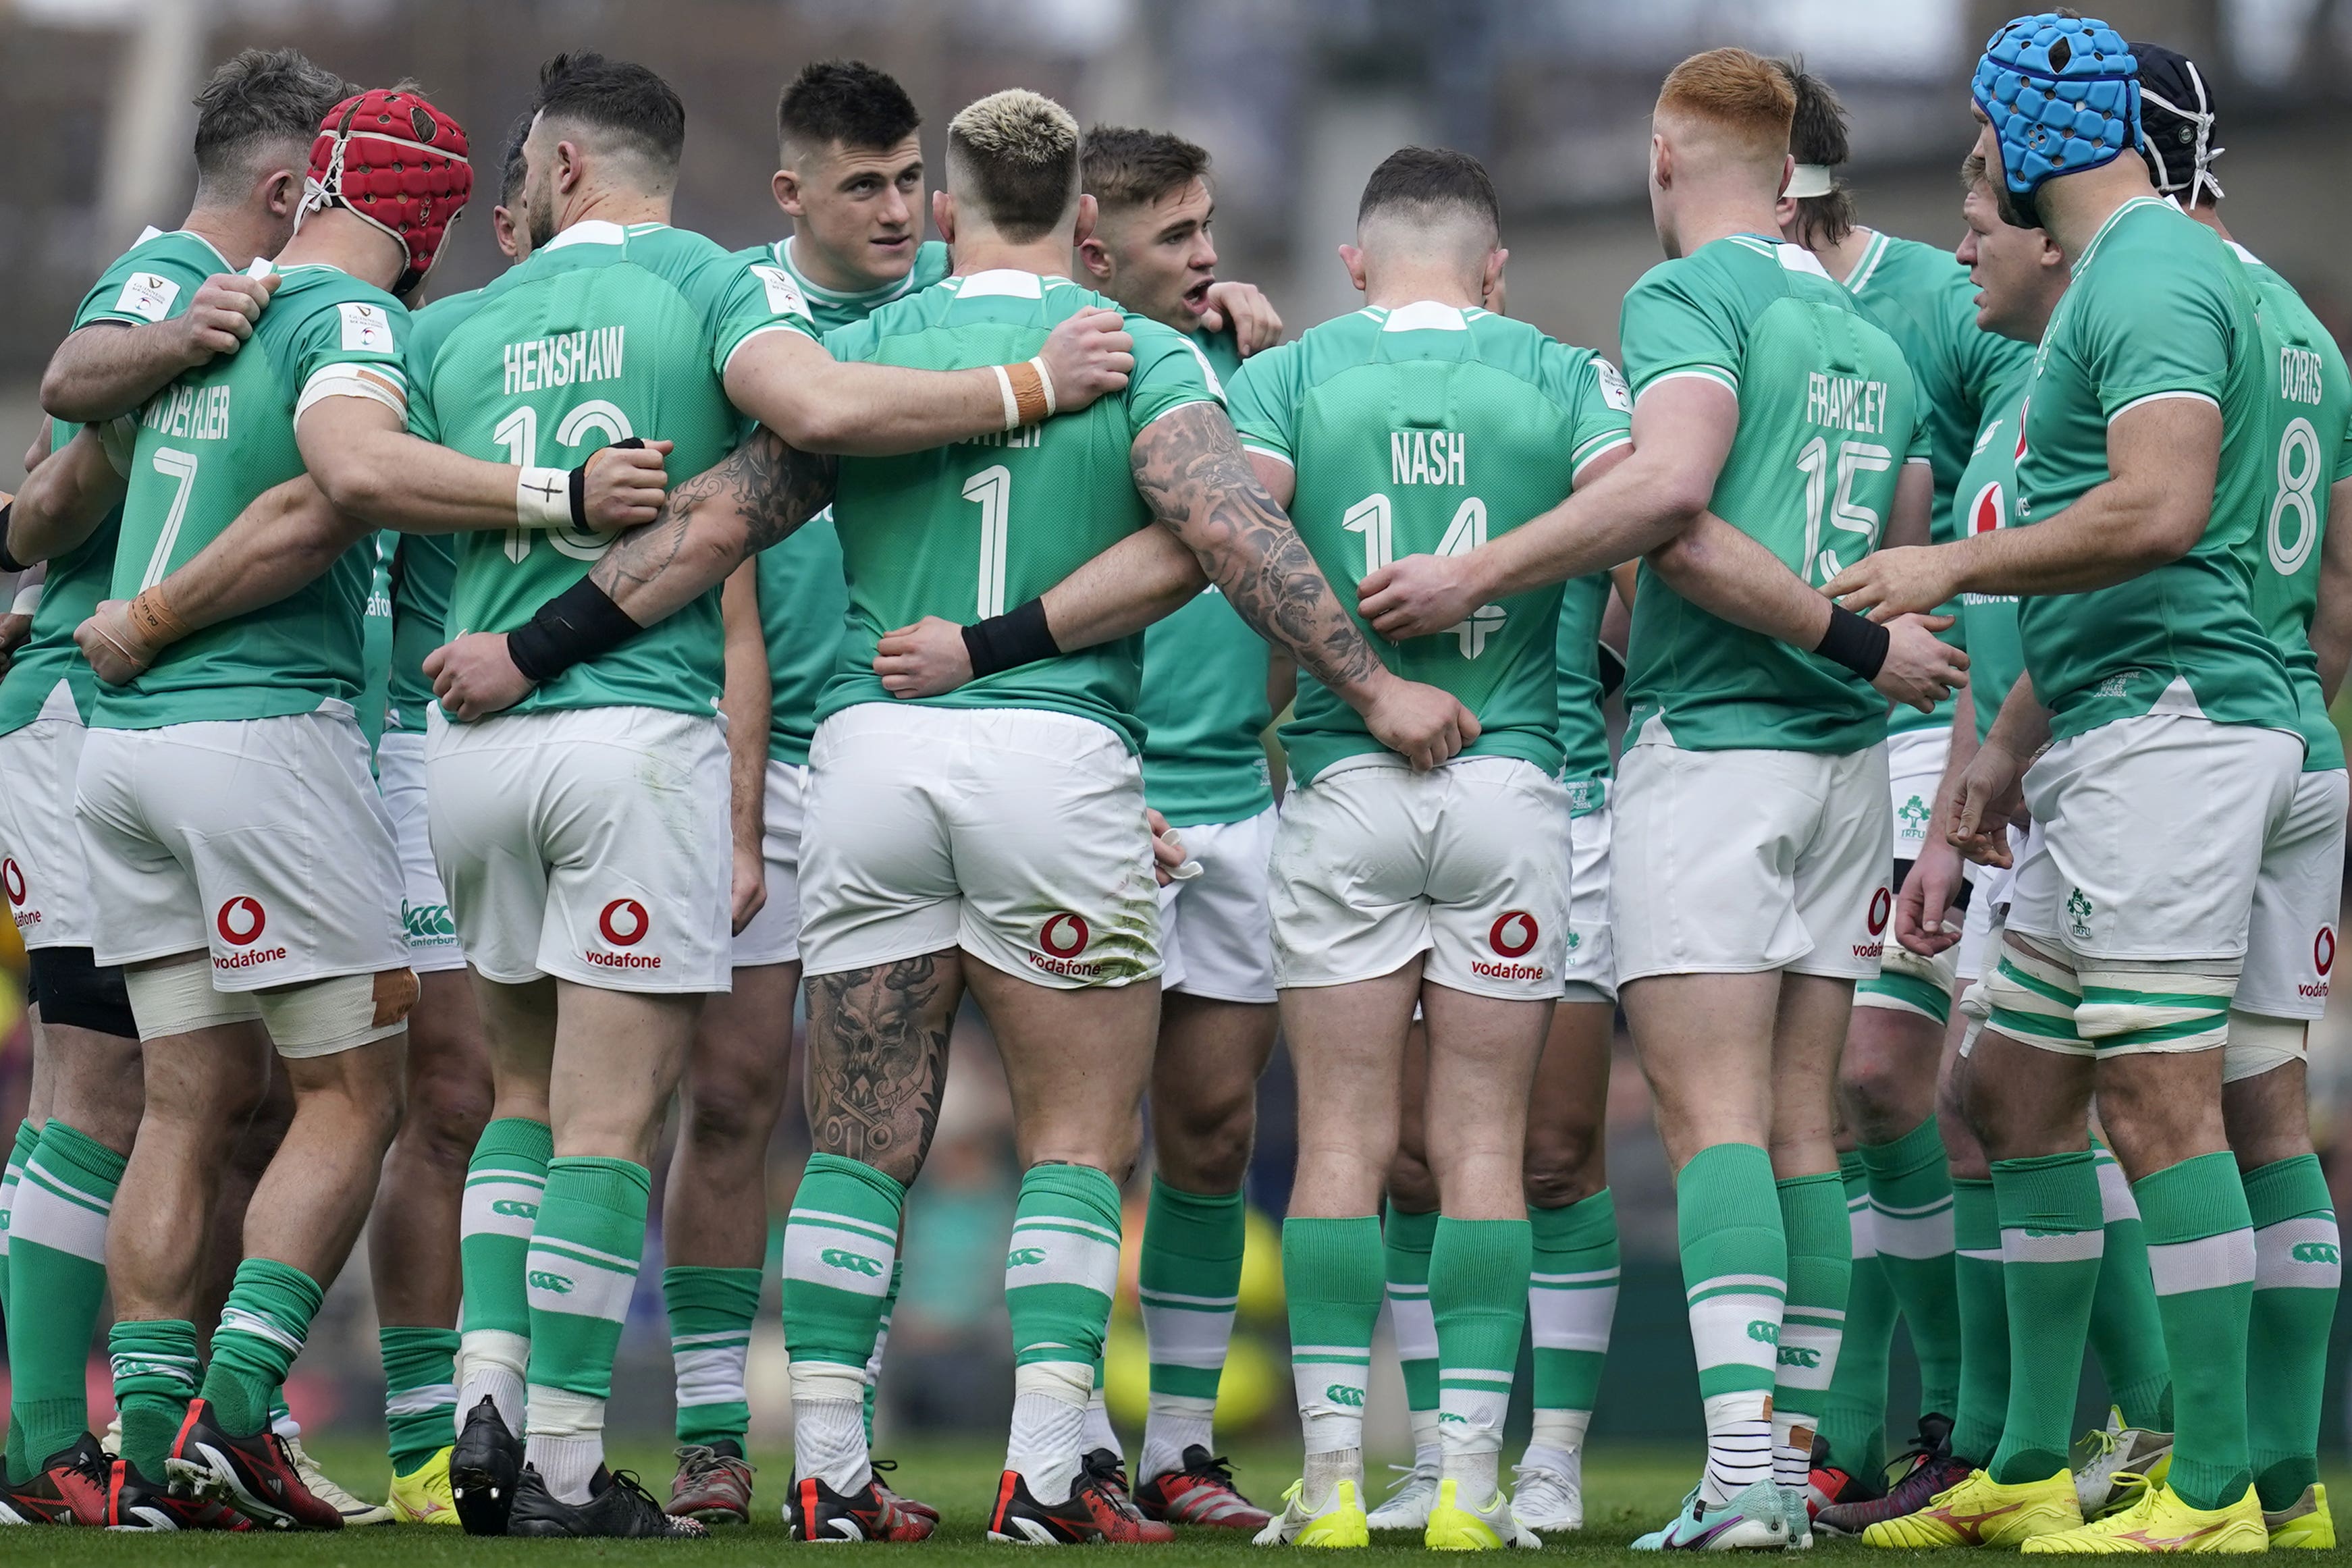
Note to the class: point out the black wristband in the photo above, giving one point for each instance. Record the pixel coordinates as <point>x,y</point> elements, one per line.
<point>580,484</point>
<point>1019,636</point>
<point>1854,641</point>
<point>575,626</point>
<point>8,562</point>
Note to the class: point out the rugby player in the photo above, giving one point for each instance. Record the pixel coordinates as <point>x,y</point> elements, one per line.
<point>2142,497</point>
<point>1887,1076</point>
<point>2303,595</point>
<point>173,301</point>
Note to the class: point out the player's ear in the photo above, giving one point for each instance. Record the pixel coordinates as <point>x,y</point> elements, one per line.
<point>1353,260</point>
<point>1662,161</point>
<point>1095,256</point>
<point>943,214</point>
<point>1087,212</point>
<point>1490,286</point>
<point>281,193</point>
<point>571,169</point>
<point>786,184</point>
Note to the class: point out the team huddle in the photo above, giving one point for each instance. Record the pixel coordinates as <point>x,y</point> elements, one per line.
<point>447,734</point>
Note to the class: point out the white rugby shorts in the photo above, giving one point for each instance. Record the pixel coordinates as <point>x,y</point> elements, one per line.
<point>1216,934</point>
<point>2152,835</point>
<point>43,870</point>
<point>1469,864</point>
<point>774,935</point>
<point>1915,768</point>
<point>433,945</point>
<point>1017,834</point>
<point>2298,893</point>
<point>1740,862</point>
<point>587,843</point>
<point>260,841</point>
<point>1589,971</point>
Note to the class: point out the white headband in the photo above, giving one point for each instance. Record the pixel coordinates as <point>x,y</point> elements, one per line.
<point>1810,180</point>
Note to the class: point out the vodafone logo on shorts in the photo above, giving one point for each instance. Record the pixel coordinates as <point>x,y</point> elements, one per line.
<point>2323,958</point>
<point>240,922</point>
<point>624,923</point>
<point>1512,937</point>
<point>1064,936</point>
<point>11,881</point>
<point>1882,907</point>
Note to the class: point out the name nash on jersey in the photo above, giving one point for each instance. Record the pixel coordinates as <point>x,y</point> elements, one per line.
<point>565,360</point>
<point>1426,457</point>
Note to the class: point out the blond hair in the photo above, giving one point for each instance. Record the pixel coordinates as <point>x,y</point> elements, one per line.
<point>1014,154</point>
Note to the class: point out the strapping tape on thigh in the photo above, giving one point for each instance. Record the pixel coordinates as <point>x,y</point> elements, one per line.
<point>2258,1044</point>
<point>2136,1005</point>
<point>2032,996</point>
<point>176,996</point>
<point>328,1016</point>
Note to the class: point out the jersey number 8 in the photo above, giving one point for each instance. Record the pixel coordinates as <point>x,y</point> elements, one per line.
<point>2298,479</point>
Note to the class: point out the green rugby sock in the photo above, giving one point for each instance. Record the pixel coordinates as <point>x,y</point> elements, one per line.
<point>2051,1239</point>
<point>262,1330</point>
<point>1572,1305</point>
<point>505,1182</point>
<point>1853,1412</point>
<point>1062,1269</point>
<point>29,1138</point>
<point>1406,1238</point>
<point>1812,1320</point>
<point>2200,1251</point>
<point>1191,1281</point>
<point>420,1393</point>
<point>1911,1220</point>
<point>2127,1332</point>
<point>1331,1272</point>
<point>154,1363</point>
<point>881,1339</point>
<point>1984,1321</point>
<point>841,1245</point>
<point>1735,1258</point>
<point>582,1269</point>
<point>1478,1273</point>
<point>710,1315</point>
<point>56,1265</point>
<point>2297,1272</point>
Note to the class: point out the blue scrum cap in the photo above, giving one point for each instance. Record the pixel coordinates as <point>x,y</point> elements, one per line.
<point>2063,94</point>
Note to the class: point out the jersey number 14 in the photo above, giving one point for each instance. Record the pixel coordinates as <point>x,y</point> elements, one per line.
<point>1374,516</point>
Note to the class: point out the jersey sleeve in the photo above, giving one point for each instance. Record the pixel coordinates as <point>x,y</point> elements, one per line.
<point>347,347</point>
<point>1675,323</point>
<point>761,298</point>
<point>1263,399</point>
<point>1921,449</point>
<point>1170,372</point>
<point>147,284</point>
<point>2157,332</point>
<point>1599,406</point>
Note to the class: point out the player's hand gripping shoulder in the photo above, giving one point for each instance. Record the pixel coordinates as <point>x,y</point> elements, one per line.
<point>1256,326</point>
<point>219,320</point>
<point>1190,470</point>
<point>1087,356</point>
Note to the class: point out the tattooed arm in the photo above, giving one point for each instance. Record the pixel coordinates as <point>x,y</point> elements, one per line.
<point>1190,470</point>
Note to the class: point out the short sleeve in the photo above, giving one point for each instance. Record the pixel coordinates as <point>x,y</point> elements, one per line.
<point>146,284</point>
<point>423,422</point>
<point>1921,449</point>
<point>1600,406</point>
<point>2156,331</point>
<point>1674,324</point>
<point>852,343</point>
<point>762,297</point>
<point>349,348</point>
<point>2343,469</point>
<point>1263,401</point>
<point>1170,372</point>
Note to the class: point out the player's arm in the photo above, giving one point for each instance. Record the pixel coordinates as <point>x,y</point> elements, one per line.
<point>1936,879</point>
<point>1190,469</point>
<point>2162,457</point>
<point>66,497</point>
<point>110,367</point>
<point>286,539</point>
<point>746,700</point>
<point>356,444</point>
<point>1986,796</point>
<point>2331,619</point>
<point>787,382</point>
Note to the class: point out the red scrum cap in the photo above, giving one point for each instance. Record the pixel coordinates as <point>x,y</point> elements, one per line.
<point>391,159</point>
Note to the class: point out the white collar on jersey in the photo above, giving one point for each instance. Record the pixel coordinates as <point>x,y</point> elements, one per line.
<point>1006,280</point>
<point>589,231</point>
<point>1797,258</point>
<point>1426,316</point>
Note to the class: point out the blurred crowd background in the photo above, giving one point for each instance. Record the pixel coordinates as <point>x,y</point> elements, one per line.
<point>1298,100</point>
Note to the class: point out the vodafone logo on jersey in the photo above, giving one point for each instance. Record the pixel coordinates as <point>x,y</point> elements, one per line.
<point>1985,511</point>
<point>240,922</point>
<point>1512,937</point>
<point>624,923</point>
<point>1063,937</point>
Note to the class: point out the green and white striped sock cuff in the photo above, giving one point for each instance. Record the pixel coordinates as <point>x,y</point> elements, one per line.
<point>501,1200</point>
<point>66,1195</point>
<point>1736,1331</point>
<point>1187,1337</point>
<point>1331,1382</point>
<point>1808,1350</point>
<point>578,1280</point>
<point>1066,1268</point>
<point>2117,1203</point>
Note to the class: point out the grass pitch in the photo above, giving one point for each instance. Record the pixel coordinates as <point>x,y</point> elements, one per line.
<point>1628,1489</point>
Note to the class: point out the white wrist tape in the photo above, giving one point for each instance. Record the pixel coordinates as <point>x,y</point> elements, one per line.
<point>543,499</point>
<point>1046,380</point>
<point>1012,403</point>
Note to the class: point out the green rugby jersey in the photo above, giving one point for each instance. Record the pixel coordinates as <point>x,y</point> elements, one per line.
<point>422,567</point>
<point>1431,429</point>
<point>1923,298</point>
<point>1583,728</point>
<point>1828,416</point>
<point>210,444</point>
<point>803,598</point>
<point>376,639</point>
<point>1204,705</point>
<point>1985,500</point>
<point>152,281</point>
<point>969,530</point>
<point>2159,307</point>
<point>603,333</point>
<point>2311,397</point>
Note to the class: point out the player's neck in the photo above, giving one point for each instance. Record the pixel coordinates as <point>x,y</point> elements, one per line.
<point>2209,214</point>
<point>612,204</point>
<point>337,239</point>
<point>1387,287</point>
<point>237,234</point>
<point>1842,256</point>
<point>1702,217</point>
<point>2074,207</point>
<point>988,251</point>
<point>829,271</point>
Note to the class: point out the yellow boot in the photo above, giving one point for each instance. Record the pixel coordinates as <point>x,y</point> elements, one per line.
<point>1982,1511</point>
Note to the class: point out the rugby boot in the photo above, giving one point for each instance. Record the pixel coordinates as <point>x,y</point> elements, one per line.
<point>915,1506</point>
<point>1928,1468</point>
<point>327,1491</point>
<point>254,1475</point>
<point>618,1509</point>
<point>484,1467</point>
<point>713,1484</point>
<point>69,1490</point>
<point>1546,1498</point>
<point>422,1496</point>
<point>2115,1464</point>
<point>1982,1511</point>
<point>1489,1526</point>
<point>1097,1509</point>
<point>1200,1491</point>
<point>815,1512</point>
<point>1339,1522</point>
<point>2304,1524</point>
<point>2160,1522</point>
<point>1407,1505</point>
<point>134,1503</point>
<point>1755,1521</point>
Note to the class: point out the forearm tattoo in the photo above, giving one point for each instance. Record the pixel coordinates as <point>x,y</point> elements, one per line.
<point>877,1061</point>
<point>710,524</point>
<point>1190,471</point>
